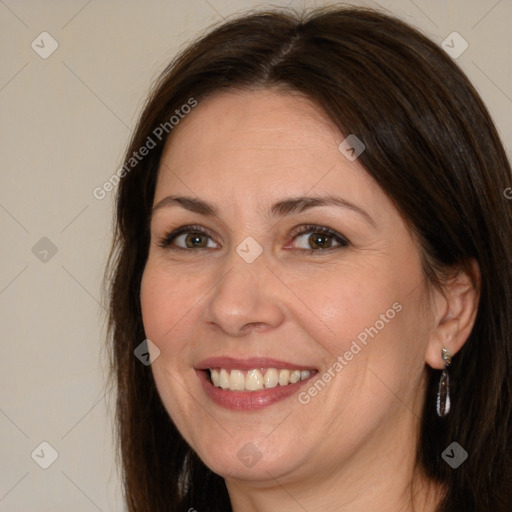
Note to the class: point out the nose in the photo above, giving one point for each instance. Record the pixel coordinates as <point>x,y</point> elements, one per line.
<point>247,298</point>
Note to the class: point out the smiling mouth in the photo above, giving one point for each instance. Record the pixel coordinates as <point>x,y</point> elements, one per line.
<point>256,379</point>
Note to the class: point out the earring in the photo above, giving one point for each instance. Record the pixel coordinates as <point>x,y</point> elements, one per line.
<point>443,391</point>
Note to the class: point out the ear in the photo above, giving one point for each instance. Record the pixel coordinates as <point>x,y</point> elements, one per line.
<point>454,316</point>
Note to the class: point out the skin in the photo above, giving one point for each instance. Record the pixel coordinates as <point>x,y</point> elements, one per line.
<point>244,151</point>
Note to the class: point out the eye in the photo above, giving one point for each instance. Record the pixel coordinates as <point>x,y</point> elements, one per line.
<point>193,237</point>
<point>186,238</point>
<point>320,238</point>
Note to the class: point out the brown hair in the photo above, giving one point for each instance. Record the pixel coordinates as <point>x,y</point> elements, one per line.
<point>432,147</point>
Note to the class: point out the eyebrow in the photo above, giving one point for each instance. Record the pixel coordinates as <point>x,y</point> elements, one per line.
<point>280,209</point>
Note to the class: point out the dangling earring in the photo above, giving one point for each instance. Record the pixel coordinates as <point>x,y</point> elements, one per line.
<point>443,391</point>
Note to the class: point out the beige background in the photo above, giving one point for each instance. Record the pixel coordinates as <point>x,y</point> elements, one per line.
<point>65,122</point>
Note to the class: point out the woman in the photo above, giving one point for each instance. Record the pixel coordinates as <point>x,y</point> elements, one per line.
<point>313,252</point>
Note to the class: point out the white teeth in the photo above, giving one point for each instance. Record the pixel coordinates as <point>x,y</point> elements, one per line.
<point>304,374</point>
<point>214,374</point>
<point>254,380</point>
<point>271,378</point>
<point>294,376</point>
<point>236,380</point>
<point>224,379</point>
<point>257,379</point>
<point>284,377</point>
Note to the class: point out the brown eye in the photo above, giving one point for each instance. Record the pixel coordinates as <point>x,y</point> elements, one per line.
<point>320,241</point>
<point>186,238</point>
<point>320,238</point>
<point>195,240</point>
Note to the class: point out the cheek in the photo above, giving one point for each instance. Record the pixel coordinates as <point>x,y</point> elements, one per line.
<point>345,306</point>
<point>369,332</point>
<point>165,304</point>
<point>166,299</point>
<point>154,302</point>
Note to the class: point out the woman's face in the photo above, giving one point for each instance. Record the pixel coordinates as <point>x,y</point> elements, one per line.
<point>257,291</point>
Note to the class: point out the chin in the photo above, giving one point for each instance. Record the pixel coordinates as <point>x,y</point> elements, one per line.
<point>254,460</point>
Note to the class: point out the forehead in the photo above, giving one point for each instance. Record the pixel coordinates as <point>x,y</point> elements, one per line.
<point>260,120</point>
<point>249,143</point>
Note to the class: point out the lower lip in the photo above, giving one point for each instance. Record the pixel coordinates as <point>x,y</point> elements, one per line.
<point>248,400</point>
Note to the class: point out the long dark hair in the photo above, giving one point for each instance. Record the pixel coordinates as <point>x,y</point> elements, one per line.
<point>432,147</point>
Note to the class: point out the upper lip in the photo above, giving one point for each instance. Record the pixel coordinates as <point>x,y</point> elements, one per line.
<point>248,363</point>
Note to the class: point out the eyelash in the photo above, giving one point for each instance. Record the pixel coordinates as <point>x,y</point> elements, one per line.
<point>166,241</point>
